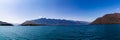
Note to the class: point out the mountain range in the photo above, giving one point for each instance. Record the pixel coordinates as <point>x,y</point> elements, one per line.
<point>112,18</point>
<point>52,22</point>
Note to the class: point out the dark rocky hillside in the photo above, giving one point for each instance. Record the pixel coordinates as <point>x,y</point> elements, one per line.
<point>113,18</point>
<point>5,24</point>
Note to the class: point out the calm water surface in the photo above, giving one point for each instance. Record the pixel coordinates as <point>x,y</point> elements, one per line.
<point>83,32</point>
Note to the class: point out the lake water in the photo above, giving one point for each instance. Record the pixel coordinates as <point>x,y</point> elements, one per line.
<point>83,32</point>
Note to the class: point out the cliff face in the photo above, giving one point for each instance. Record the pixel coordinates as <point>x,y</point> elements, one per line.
<point>52,22</point>
<point>108,19</point>
<point>5,24</point>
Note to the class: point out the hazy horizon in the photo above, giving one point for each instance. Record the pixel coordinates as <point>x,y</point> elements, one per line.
<point>18,11</point>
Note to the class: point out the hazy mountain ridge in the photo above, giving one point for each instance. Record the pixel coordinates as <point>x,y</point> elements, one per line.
<point>45,21</point>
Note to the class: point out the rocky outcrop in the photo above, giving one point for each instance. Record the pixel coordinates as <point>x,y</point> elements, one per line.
<point>52,22</point>
<point>108,19</point>
<point>5,24</point>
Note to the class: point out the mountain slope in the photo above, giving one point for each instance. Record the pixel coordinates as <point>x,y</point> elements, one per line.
<point>5,24</point>
<point>108,19</point>
<point>53,22</point>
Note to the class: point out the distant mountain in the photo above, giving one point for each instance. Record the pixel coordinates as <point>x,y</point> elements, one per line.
<point>113,18</point>
<point>52,22</point>
<point>5,24</point>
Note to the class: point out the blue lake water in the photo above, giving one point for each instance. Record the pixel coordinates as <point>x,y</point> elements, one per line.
<point>83,32</point>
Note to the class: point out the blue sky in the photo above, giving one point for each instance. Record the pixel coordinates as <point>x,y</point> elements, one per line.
<point>18,11</point>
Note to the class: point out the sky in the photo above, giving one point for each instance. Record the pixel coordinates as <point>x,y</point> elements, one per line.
<point>18,11</point>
